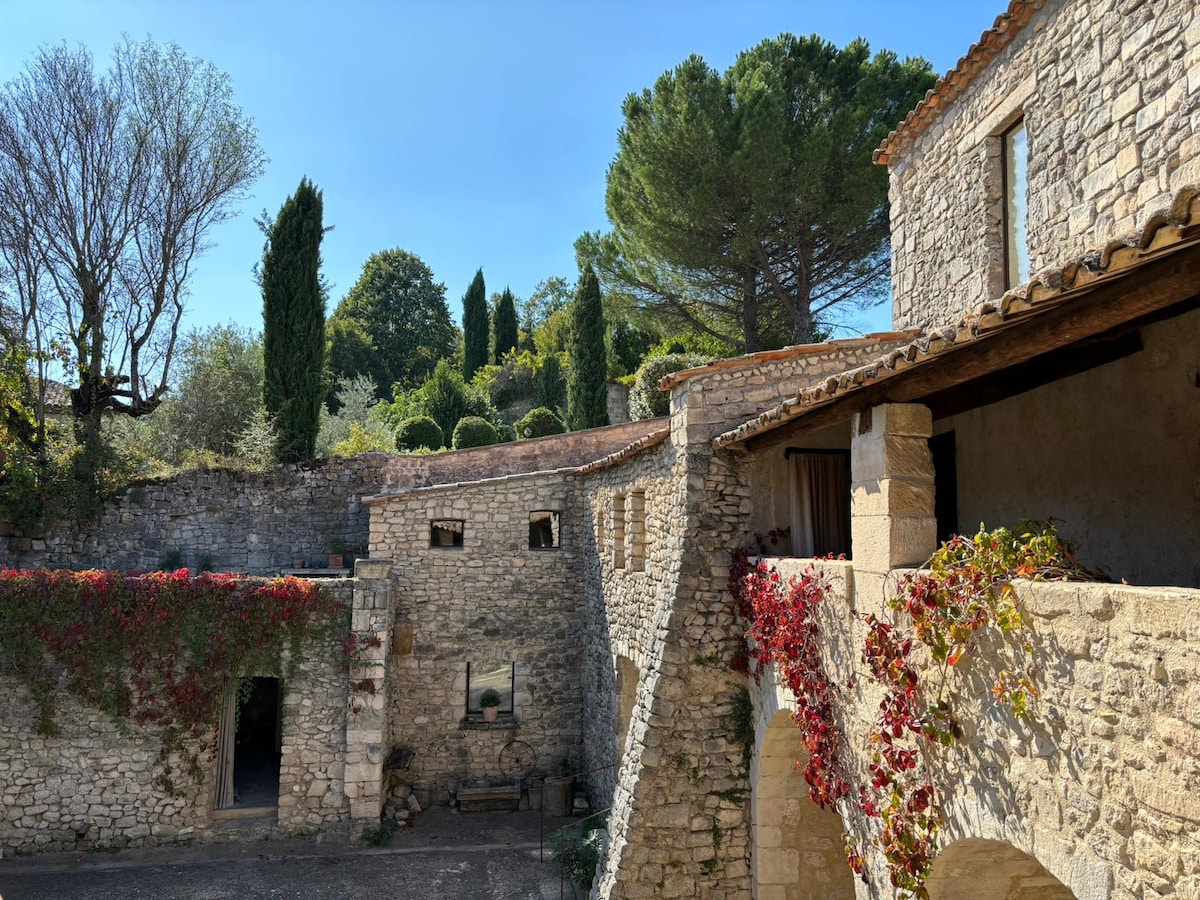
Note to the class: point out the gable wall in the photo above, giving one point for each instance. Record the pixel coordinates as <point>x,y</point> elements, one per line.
<point>494,598</point>
<point>1110,93</point>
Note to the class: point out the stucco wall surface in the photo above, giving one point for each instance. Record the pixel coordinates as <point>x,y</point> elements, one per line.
<point>1113,454</point>
<point>1110,94</point>
<point>1098,784</point>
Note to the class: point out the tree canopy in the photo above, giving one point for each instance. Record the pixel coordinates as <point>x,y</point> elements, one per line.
<point>294,323</point>
<point>505,325</point>
<point>745,205</point>
<point>109,184</point>
<point>587,380</point>
<point>393,325</point>
<point>476,328</point>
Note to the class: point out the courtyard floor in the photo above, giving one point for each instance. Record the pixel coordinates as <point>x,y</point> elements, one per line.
<point>475,856</point>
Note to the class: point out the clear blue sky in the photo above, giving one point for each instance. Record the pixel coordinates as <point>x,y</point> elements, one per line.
<point>470,133</point>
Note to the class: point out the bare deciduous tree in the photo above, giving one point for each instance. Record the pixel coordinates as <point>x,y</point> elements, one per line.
<point>109,183</point>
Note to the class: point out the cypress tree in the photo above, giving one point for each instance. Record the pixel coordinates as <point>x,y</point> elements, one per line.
<point>294,323</point>
<point>507,334</point>
<point>587,380</point>
<point>475,327</point>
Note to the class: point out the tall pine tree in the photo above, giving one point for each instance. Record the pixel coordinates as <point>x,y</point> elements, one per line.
<point>294,322</point>
<point>475,327</point>
<point>587,381</point>
<point>507,334</point>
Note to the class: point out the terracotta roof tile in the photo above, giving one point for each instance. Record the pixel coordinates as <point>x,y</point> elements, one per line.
<point>1007,26</point>
<point>1164,232</point>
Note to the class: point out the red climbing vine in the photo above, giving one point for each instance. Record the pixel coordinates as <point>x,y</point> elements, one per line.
<point>160,649</point>
<point>966,588</point>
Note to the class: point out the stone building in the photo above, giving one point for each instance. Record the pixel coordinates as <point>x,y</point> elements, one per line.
<point>1046,273</point>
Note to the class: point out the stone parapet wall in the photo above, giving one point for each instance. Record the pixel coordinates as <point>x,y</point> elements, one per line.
<point>493,599</point>
<point>260,524</point>
<point>1098,785</point>
<point>1110,95</point>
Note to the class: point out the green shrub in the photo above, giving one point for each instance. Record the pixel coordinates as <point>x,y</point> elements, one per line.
<point>418,432</point>
<point>539,423</point>
<point>646,401</point>
<point>473,431</point>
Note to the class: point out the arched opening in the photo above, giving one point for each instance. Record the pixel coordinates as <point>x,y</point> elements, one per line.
<point>798,850</point>
<point>977,869</point>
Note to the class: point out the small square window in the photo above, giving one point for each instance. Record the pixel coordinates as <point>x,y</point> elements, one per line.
<point>446,533</point>
<point>490,675</point>
<point>544,530</point>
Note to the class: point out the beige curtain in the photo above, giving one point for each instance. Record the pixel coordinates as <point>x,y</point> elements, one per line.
<point>225,743</point>
<point>820,504</point>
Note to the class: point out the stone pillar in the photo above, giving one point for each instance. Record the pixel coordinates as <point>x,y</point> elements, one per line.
<point>366,721</point>
<point>892,522</point>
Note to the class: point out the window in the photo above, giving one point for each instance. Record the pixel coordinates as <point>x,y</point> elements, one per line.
<point>1016,193</point>
<point>446,533</point>
<point>637,531</point>
<point>820,501</point>
<point>496,675</point>
<point>618,512</point>
<point>545,530</point>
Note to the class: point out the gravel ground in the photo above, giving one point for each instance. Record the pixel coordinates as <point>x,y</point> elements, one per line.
<point>477,856</point>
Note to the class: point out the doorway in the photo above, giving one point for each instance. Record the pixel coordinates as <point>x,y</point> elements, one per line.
<point>248,750</point>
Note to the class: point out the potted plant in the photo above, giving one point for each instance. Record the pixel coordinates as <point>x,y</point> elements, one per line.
<point>489,702</point>
<point>337,549</point>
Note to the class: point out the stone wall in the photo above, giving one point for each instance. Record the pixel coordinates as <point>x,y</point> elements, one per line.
<point>259,524</point>
<point>1110,94</point>
<point>494,598</point>
<point>99,784</point>
<point>1098,785</point>
<point>679,824</point>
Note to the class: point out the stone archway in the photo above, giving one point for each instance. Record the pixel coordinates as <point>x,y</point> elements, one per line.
<point>797,850</point>
<point>978,869</point>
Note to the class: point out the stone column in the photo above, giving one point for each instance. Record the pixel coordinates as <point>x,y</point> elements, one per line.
<point>892,522</point>
<point>366,721</point>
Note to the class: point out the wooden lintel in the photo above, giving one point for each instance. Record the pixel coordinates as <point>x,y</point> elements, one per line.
<point>1105,305</point>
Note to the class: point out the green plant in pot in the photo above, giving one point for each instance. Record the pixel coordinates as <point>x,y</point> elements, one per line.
<point>338,551</point>
<point>489,702</point>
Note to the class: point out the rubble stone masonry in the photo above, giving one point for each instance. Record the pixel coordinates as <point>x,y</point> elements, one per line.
<point>1110,95</point>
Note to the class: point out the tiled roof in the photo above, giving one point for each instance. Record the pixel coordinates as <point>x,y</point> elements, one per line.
<point>753,359</point>
<point>1008,25</point>
<point>1165,232</point>
<point>639,446</point>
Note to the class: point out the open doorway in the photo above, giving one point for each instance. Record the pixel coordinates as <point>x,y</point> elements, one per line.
<point>249,749</point>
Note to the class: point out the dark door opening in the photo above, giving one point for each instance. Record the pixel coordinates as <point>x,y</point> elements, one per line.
<point>945,484</point>
<point>250,744</point>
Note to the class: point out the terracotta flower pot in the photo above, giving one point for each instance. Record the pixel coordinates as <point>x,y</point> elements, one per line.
<point>490,713</point>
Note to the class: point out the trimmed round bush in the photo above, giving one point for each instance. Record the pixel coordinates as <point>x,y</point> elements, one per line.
<point>419,432</point>
<point>539,423</point>
<point>646,401</point>
<point>472,431</point>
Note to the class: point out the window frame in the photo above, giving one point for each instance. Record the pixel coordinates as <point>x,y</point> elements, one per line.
<point>1014,167</point>
<point>555,518</point>
<point>476,711</point>
<point>458,539</point>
